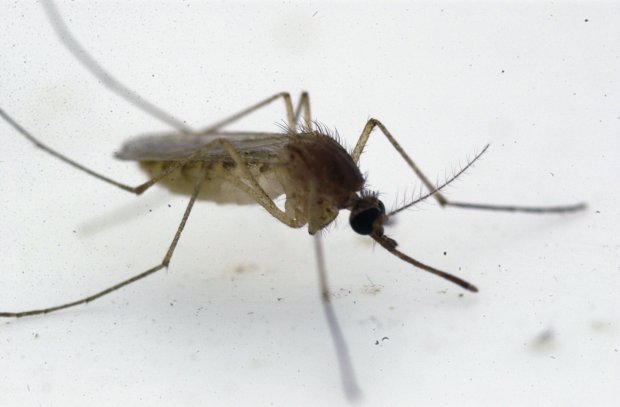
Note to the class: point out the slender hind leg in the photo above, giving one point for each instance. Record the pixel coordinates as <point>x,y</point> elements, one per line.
<point>94,67</point>
<point>108,80</point>
<point>347,373</point>
<point>304,104</point>
<point>293,116</point>
<point>292,113</point>
<point>372,123</point>
<point>247,183</point>
<point>165,262</point>
<point>136,190</point>
<point>254,190</point>
<point>257,191</point>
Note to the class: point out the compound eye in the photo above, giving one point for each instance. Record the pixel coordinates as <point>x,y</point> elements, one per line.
<point>363,220</point>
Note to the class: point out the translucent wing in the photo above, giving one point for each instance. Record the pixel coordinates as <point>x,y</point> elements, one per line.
<point>253,146</point>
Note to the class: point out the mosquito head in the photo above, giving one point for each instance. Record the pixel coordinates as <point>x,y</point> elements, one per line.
<point>368,217</point>
<point>367,214</point>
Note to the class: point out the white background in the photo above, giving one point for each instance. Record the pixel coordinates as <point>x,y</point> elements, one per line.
<point>237,320</point>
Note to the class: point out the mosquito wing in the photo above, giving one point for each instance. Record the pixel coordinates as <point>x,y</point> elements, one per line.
<point>252,146</point>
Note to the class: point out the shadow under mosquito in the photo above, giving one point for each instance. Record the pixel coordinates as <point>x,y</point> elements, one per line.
<point>123,213</point>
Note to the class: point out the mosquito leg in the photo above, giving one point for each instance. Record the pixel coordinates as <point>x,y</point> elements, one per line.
<point>260,196</point>
<point>136,190</point>
<point>288,104</point>
<point>347,373</point>
<point>372,123</point>
<point>528,209</point>
<point>361,143</point>
<point>144,186</point>
<point>292,114</point>
<point>165,262</point>
<point>255,190</point>
<point>247,183</point>
<point>94,67</point>
<point>304,104</point>
<point>62,157</point>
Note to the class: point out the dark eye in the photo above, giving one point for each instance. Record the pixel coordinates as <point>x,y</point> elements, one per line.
<point>362,220</point>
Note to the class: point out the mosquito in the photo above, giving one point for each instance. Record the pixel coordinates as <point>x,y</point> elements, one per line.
<point>304,163</point>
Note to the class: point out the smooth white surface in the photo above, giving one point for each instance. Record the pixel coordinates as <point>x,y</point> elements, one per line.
<point>538,81</point>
